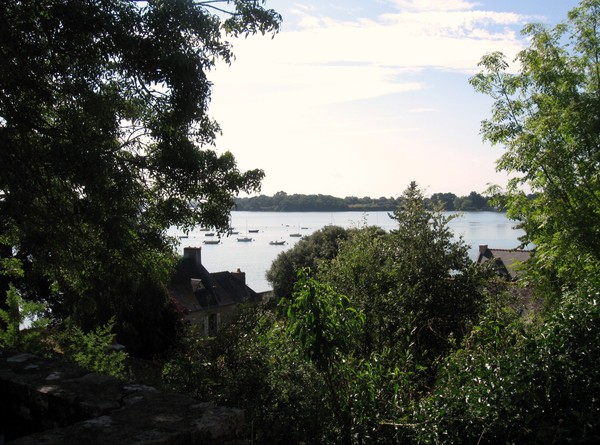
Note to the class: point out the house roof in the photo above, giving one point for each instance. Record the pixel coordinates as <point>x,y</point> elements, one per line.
<point>196,289</point>
<point>506,261</point>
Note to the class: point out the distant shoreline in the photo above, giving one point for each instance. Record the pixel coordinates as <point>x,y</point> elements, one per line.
<point>282,202</point>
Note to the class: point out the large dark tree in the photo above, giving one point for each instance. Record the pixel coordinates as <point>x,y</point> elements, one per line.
<point>103,140</point>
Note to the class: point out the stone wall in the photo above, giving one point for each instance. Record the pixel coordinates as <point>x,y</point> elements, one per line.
<point>53,402</point>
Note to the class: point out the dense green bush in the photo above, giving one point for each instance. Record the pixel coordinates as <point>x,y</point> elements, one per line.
<point>255,365</point>
<point>515,382</point>
<point>416,286</point>
<point>93,349</point>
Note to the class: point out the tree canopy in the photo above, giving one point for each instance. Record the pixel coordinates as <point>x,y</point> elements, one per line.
<point>105,137</point>
<point>547,115</point>
<point>415,283</point>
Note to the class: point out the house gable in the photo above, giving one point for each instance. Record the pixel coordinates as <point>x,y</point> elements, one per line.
<point>505,261</point>
<point>209,298</point>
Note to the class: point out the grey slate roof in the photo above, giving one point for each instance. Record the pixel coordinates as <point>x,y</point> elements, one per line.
<point>506,261</point>
<point>196,289</point>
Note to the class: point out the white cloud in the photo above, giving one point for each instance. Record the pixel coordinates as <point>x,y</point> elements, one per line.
<point>332,61</point>
<point>279,102</point>
<point>434,5</point>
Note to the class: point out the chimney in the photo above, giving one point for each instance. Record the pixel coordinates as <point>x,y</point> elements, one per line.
<point>194,253</point>
<point>483,249</point>
<point>239,275</point>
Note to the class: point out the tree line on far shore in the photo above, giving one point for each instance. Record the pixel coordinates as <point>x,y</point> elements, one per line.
<point>282,202</point>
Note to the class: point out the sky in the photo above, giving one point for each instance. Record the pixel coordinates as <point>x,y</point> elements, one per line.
<point>361,97</point>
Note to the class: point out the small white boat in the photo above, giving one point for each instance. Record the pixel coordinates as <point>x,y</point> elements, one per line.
<point>244,239</point>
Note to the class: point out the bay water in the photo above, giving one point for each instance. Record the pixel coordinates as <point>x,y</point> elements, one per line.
<point>255,257</point>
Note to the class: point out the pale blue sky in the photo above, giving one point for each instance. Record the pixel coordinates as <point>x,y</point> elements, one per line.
<point>360,97</point>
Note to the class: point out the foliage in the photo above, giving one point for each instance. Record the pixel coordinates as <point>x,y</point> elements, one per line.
<point>364,271</point>
<point>322,321</point>
<point>308,252</point>
<point>324,324</point>
<point>92,350</point>
<point>394,339</point>
<point>416,286</point>
<point>282,202</point>
<point>258,363</point>
<point>444,200</point>
<point>438,289</point>
<point>474,201</point>
<point>19,312</point>
<point>254,364</point>
<point>547,116</point>
<point>104,137</point>
<point>519,383</point>
<point>379,392</point>
<point>417,293</point>
<point>536,381</point>
<point>151,321</point>
<point>354,346</point>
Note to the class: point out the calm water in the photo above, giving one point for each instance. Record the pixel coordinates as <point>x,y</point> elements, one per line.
<point>256,257</point>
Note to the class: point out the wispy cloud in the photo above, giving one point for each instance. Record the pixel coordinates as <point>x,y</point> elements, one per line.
<point>303,90</point>
<point>330,60</point>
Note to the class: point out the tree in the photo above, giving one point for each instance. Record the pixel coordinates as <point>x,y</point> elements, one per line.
<point>308,252</point>
<point>324,322</point>
<point>438,293</point>
<point>547,115</point>
<point>479,202</point>
<point>447,199</point>
<point>416,286</point>
<point>104,133</point>
<point>513,381</point>
<point>364,270</point>
<point>255,365</point>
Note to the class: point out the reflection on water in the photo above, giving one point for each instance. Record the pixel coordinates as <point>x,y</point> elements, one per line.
<point>255,257</point>
<point>490,228</point>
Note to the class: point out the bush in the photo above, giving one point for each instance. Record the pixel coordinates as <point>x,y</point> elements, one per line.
<point>514,383</point>
<point>253,364</point>
<point>93,350</point>
<point>19,314</point>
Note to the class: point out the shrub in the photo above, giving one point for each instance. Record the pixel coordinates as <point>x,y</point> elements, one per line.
<point>21,314</point>
<point>514,383</point>
<point>93,350</point>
